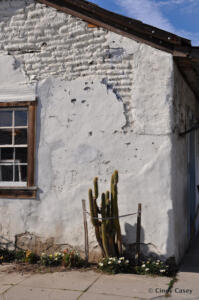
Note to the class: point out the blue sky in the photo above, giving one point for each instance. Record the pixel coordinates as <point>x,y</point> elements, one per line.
<point>178,16</point>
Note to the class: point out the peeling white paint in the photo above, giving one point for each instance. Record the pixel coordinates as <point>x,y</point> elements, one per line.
<point>13,85</point>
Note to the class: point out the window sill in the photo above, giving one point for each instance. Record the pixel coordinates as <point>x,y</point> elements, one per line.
<point>18,192</point>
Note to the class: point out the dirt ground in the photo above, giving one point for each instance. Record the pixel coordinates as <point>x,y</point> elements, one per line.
<point>24,268</point>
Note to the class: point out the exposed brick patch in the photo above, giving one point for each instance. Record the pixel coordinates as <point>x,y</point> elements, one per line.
<point>48,42</point>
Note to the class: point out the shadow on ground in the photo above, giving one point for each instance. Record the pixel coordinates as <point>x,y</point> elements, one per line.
<point>190,262</point>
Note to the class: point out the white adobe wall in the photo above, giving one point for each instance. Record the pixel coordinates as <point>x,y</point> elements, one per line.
<point>104,103</point>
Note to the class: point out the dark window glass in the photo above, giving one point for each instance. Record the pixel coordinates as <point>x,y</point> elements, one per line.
<point>20,118</point>
<point>5,136</point>
<point>20,173</point>
<point>6,153</point>
<point>20,136</point>
<point>5,118</point>
<point>21,155</point>
<point>6,173</point>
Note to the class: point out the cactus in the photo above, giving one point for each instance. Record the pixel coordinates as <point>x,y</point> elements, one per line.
<point>94,209</point>
<point>104,226</point>
<point>95,182</point>
<point>116,219</point>
<point>107,228</point>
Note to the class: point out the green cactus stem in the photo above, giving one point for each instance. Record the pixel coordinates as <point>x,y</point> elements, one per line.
<point>94,219</point>
<point>116,176</point>
<point>104,232</point>
<point>116,220</point>
<point>92,210</point>
<point>95,182</point>
<point>107,228</point>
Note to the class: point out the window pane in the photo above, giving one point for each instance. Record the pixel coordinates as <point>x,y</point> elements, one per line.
<point>5,136</point>
<point>21,155</point>
<point>20,118</point>
<point>20,173</point>
<point>5,118</point>
<point>20,136</point>
<point>6,153</point>
<point>6,173</point>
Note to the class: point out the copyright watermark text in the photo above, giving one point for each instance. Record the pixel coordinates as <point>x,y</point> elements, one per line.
<point>177,290</point>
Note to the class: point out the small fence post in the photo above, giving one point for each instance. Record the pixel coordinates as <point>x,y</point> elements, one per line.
<point>85,230</point>
<point>138,233</point>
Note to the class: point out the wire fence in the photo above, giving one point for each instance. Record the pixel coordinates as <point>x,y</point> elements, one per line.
<point>109,218</point>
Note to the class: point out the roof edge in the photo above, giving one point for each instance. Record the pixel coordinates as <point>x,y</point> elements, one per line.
<point>185,55</point>
<point>122,25</point>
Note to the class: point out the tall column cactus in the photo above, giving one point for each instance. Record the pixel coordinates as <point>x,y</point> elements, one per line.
<point>107,227</point>
<point>94,210</point>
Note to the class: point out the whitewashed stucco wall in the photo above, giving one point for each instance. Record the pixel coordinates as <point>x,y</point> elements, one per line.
<point>104,103</point>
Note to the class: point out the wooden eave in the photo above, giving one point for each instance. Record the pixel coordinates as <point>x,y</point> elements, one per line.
<point>194,54</point>
<point>131,28</point>
<point>186,56</point>
<point>190,72</point>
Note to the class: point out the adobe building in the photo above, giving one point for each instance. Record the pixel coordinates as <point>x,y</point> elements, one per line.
<point>84,91</point>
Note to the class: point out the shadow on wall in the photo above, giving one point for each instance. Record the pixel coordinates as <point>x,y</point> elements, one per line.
<point>179,193</point>
<point>5,243</point>
<point>38,137</point>
<point>129,242</point>
<point>183,162</point>
<point>171,238</point>
<point>10,245</point>
<point>147,249</point>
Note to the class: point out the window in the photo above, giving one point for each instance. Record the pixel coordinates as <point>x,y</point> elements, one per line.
<point>13,146</point>
<point>17,143</point>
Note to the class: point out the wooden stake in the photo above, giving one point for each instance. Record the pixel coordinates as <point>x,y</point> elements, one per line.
<point>138,233</point>
<point>85,230</point>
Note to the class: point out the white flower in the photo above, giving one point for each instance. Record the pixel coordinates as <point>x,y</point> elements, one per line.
<point>157,263</point>
<point>147,269</point>
<point>101,264</point>
<point>127,261</point>
<point>158,260</point>
<point>143,266</point>
<point>162,271</point>
<point>110,262</point>
<point>121,258</point>
<point>112,258</point>
<point>119,261</point>
<point>43,254</point>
